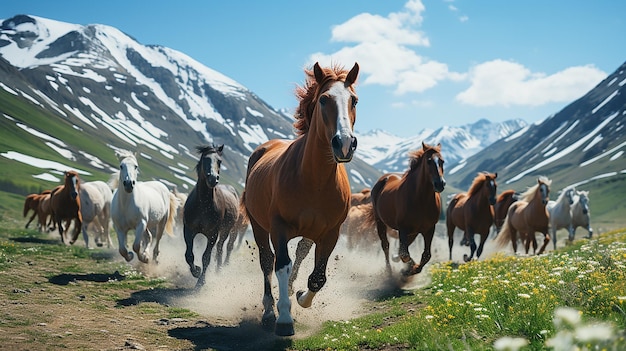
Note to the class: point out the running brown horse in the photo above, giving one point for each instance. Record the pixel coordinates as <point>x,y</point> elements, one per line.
<point>500,209</point>
<point>301,188</point>
<point>65,205</point>
<point>31,203</point>
<point>472,212</point>
<point>411,204</point>
<point>527,216</point>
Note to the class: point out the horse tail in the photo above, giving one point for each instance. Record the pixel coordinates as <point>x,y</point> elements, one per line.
<point>171,217</point>
<point>504,237</point>
<point>243,211</point>
<point>369,216</point>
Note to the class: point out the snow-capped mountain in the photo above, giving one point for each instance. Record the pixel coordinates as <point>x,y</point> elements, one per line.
<point>581,145</point>
<point>147,98</point>
<point>389,153</point>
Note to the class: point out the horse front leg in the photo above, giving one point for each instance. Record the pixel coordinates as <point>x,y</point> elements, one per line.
<point>78,226</point>
<point>61,229</point>
<point>302,250</point>
<point>469,236</point>
<point>283,266</point>
<point>230,245</point>
<point>450,227</point>
<point>426,255</point>
<point>483,239</point>
<point>140,231</point>
<point>206,257</point>
<point>121,239</point>
<point>189,236</point>
<point>546,240</point>
<point>223,235</point>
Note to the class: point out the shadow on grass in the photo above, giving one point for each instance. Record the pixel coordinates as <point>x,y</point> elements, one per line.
<point>65,279</point>
<point>249,335</point>
<point>35,240</point>
<point>161,296</point>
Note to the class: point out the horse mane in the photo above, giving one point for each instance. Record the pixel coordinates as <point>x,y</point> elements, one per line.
<point>416,156</point>
<point>529,194</point>
<point>306,95</point>
<point>207,149</point>
<point>477,183</point>
<point>122,154</point>
<point>562,194</point>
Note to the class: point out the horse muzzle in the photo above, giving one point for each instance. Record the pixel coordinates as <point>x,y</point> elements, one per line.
<point>440,185</point>
<point>344,146</point>
<point>212,180</point>
<point>129,185</point>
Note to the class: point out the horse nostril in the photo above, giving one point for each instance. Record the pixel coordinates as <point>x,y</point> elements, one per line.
<point>353,144</point>
<point>336,143</point>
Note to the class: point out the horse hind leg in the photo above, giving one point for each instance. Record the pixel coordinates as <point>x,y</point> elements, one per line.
<point>266,260</point>
<point>381,229</point>
<point>302,250</point>
<point>140,231</point>
<point>450,228</point>
<point>223,235</point>
<point>206,258</point>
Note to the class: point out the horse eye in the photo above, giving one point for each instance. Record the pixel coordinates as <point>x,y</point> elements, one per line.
<point>121,166</point>
<point>323,99</point>
<point>355,101</point>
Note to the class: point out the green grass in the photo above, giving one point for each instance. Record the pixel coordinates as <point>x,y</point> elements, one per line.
<point>470,306</point>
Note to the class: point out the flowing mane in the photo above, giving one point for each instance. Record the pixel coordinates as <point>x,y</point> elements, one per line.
<point>307,95</point>
<point>477,184</point>
<point>414,158</point>
<point>529,194</point>
<point>122,154</point>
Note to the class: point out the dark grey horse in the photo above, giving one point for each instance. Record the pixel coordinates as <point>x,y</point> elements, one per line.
<point>211,209</point>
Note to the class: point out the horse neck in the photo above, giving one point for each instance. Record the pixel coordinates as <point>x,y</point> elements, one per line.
<point>316,160</point>
<point>535,202</point>
<point>482,197</point>
<point>419,182</point>
<point>205,193</point>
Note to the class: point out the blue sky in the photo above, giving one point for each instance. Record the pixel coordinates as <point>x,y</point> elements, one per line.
<point>424,64</point>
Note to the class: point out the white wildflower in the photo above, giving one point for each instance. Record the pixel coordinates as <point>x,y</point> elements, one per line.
<point>508,343</point>
<point>566,316</point>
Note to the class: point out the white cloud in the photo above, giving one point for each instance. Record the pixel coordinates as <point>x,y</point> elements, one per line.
<point>501,82</point>
<point>382,48</point>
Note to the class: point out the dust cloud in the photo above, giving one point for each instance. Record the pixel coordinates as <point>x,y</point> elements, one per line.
<point>233,293</point>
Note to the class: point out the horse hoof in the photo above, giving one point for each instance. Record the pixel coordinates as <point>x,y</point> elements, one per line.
<point>395,258</point>
<point>269,323</point>
<point>195,271</point>
<point>466,258</point>
<point>283,329</point>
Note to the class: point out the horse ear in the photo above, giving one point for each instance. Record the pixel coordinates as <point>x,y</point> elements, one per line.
<point>319,73</point>
<point>424,145</point>
<point>354,72</point>
<point>220,148</point>
<point>495,175</point>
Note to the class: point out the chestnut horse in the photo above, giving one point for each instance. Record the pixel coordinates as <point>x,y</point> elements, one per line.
<point>211,209</point>
<point>411,204</point>
<point>301,188</point>
<point>65,205</point>
<point>32,202</point>
<point>472,212</point>
<point>527,216</point>
<point>501,208</point>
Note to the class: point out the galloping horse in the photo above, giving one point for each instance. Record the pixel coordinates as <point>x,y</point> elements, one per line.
<point>472,212</point>
<point>560,214</point>
<point>148,207</point>
<point>32,202</point>
<point>65,205</point>
<point>44,212</point>
<point>581,214</point>
<point>211,209</point>
<point>501,208</point>
<point>301,188</point>
<point>411,204</point>
<point>527,216</point>
<point>95,207</point>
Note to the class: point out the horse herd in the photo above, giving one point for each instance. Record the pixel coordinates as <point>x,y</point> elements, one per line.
<point>300,188</point>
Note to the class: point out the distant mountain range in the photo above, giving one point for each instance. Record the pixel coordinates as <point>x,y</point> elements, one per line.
<point>389,153</point>
<point>70,95</point>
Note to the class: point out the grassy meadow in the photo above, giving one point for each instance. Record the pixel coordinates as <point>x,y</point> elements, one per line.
<point>570,299</point>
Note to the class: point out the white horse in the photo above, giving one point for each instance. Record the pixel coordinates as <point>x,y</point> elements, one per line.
<point>559,212</point>
<point>148,207</point>
<point>95,208</point>
<point>581,214</point>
